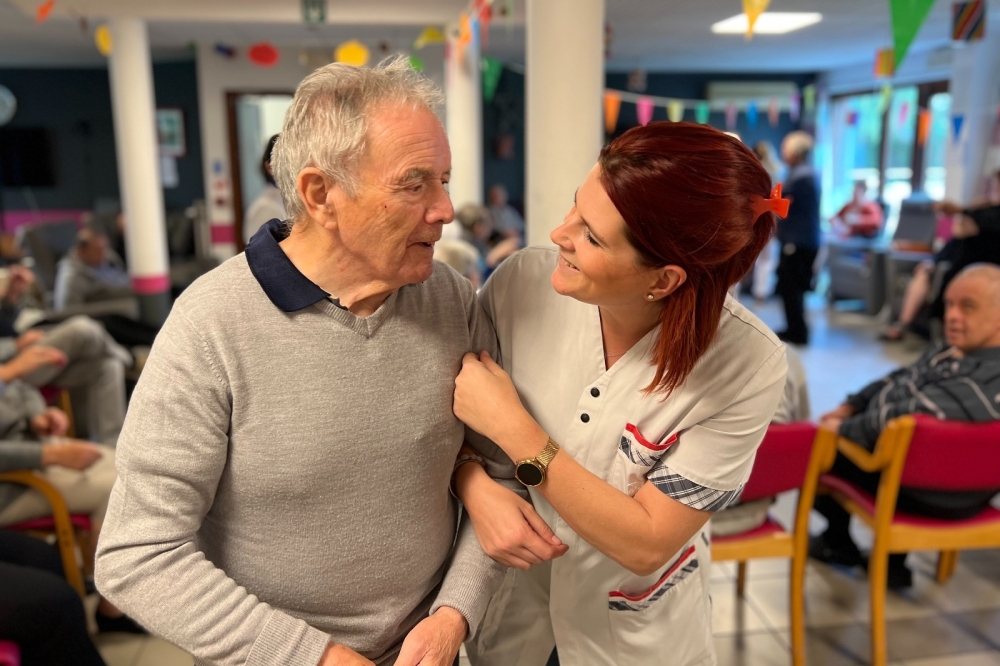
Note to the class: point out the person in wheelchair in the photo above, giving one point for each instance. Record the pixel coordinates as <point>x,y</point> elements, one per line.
<point>956,381</point>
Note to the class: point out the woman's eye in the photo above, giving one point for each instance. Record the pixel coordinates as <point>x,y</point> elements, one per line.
<point>590,239</point>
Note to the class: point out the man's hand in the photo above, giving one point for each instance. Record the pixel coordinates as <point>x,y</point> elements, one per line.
<point>31,359</point>
<point>20,279</point>
<point>29,338</point>
<point>341,655</point>
<point>76,455</point>
<point>947,207</point>
<point>435,641</point>
<point>52,422</point>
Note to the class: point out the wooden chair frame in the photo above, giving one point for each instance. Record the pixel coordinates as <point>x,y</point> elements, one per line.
<point>794,545</point>
<point>65,537</point>
<point>889,458</point>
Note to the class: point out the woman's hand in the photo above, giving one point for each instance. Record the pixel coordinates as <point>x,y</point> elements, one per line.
<point>508,528</point>
<point>486,400</point>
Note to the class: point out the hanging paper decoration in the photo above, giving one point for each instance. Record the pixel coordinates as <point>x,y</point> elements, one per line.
<point>956,123</point>
<point>794,106</point>
<point>907,17</point>
<point>884,99</point>
<point>102,39</point>
<point>675,111</point>
<point>885,63</point>
<point>353,53</point>
<point>474,33</point>
<point>492,69</point>
<point>702,112</point>
<point>430,35</point>
<point>904,113</point>
<point>416,63</point>
<point>851,120</point>
<point>809,98</point>
<point>752,114</point>
<point>44,11</point>
<point>731,115</point>
<point>644,110</point>
<point>753,9</point>
<point>773,113</point>
<point>263,54</point>
<point>225,51</point>
<point>485,18</point>
<point>923,127</point>
<point>968,21</point>
<point>612,105</point>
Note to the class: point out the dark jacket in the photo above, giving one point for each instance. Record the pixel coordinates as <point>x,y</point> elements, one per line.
<point>801,227</point>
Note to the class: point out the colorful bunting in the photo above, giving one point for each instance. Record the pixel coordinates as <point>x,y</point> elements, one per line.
<point>263,54</point>
<point>430,35</point>
<point>353,53</point>
<point>923,127</point>
<point>885,63</point>
<point>731,116</point>
<point>702,112</point>
<point>968,21</point>
<point>44,11</point>
<point>752,114</point>
<point>224,50</point>
<point>956,123</point>
<point>612,105</point>
<point>485,18</point>
<point>809,98</point>
<point>904,113</point>
<point>884,99</point>
<point>907,17</point>
<point>675,111</point>
<point>794,106</point>
<point>753,9</point>
<point>492,69</point>
<point>416,63</point>
<point>644,110</point>
<point>773,113</point>
<point>102,39</point>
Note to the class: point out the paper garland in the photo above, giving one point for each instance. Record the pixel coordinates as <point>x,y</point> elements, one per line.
<point>430,35</point>
<point>416,63</point>
<point>923,127</point>
<point>492,69</point>
<point>885,63</point>
<point>752,114</point>
<point>753,9</point>
<point>353,53</point>
<point>612,105</point>
<point>773,113</point>
<point>44,11</point>
<point>644,110</point>
<point>102,40</point>
<point>702,112</point>
<point>675,111</point>
<point>907,17</point>
<point>263,54</point>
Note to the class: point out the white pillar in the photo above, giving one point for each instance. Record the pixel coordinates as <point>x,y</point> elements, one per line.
<point>134,109</point>
<point>564,108</point>
<point>975,95</point>
<point>464,118</point>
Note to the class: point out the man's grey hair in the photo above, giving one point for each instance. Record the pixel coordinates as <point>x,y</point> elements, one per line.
<point>988,272</point>
<point>798,143</point>
<point>326,125</point>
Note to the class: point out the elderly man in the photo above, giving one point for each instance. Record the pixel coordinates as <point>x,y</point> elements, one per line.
<point>959,381</point>
<point>283,491</point>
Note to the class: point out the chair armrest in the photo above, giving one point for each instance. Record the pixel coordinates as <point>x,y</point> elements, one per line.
<point>126,307</point>
<point>867,460</point>
<point>60,513</point>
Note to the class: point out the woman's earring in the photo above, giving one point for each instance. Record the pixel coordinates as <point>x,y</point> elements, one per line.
<point>649,297</point>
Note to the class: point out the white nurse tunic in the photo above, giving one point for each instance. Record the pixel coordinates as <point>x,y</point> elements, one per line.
<point>697,446</point>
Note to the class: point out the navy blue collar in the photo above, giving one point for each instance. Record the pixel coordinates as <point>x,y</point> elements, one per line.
<point>283,283</point>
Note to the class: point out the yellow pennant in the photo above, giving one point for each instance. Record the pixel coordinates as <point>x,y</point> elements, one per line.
<point>102,39</point>
<point>753,9</point>
<point>352,52</point>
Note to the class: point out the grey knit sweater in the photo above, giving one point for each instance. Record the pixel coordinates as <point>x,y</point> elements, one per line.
<point>283,477</point>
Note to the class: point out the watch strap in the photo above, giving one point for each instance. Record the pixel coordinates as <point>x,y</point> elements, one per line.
<point>548,453</point>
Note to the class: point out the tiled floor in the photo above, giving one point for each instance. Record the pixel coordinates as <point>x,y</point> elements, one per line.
<point>957,624</point>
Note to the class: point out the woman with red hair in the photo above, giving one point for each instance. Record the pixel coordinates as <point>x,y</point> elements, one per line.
<point>633,395</point>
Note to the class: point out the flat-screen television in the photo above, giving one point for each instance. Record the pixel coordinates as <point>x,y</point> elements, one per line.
<point>26,157</point>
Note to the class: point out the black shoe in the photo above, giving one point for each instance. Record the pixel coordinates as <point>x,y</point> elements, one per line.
<point>846,555</point>
<point>785,336</point>
<point>899,576</point>
<point>123,624</point>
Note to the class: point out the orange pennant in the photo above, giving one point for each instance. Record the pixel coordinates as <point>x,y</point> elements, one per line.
<point>612,105</point>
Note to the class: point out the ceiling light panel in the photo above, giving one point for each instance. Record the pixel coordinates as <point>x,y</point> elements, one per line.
<point>769,23</point>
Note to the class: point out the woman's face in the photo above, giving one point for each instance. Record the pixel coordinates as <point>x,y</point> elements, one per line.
<point>597,265</point>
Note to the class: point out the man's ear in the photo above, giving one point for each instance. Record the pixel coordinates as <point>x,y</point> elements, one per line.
<point>316,192</point>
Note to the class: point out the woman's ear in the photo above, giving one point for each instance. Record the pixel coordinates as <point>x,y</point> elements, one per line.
<point>316,191</point>
<point>668,279</point>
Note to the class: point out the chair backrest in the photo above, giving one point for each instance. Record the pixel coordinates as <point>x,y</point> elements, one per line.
<point>782,460</point>
<point>47,243</point>
<point>10,654</point>
<point>917,221</point>
<point>953,455</point>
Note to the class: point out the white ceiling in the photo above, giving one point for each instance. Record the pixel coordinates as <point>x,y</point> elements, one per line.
<point>657,35</point>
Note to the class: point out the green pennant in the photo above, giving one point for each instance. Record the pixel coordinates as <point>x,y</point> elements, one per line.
<point>492,69</point>
<point>907,17</point>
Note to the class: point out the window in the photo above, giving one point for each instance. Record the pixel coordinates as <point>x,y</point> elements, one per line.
<point>901,125</point>
<point>856,144</point>
<point>937,143</point>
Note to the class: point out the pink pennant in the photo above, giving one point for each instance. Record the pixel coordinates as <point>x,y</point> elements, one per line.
<point>773,113</point>
<point>731,115</point>
<point>644,110</point>
<point>795,106</point>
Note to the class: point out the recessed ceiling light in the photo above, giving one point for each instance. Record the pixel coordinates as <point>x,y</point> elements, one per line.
<point>769,23</point>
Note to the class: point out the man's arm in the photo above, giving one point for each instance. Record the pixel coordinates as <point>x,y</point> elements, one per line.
<point>987,219</point>
<point>171,454</point>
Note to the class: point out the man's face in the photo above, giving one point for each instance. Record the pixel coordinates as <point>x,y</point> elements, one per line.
<point>95,252</point>
<point>972,313</point>
<point>402,200</point>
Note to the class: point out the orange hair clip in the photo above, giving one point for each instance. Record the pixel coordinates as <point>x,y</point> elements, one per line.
<point>773,204</point>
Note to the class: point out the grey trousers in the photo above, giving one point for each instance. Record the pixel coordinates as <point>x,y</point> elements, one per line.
<point>94,376</point>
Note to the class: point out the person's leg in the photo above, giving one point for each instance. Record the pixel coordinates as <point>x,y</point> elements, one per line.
<point>914,298</point>
<point>81,339</point>
<point>128,332</point>
<point>794,276</point>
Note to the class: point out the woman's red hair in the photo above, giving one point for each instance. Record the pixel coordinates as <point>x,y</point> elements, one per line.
<point>686,192</point>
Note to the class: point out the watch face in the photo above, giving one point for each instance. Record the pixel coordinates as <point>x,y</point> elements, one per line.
<point>529,473</point>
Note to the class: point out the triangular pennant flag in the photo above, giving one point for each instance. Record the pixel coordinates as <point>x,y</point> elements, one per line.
<point>675,111</point>
<point>907,17</point>
<point>612,105</point>
<point>644,110</point>
<point>44,11</point>
<point>773,113</point>
<point>753,9</point>
<point>885,63</point>
<point>752,114</point>
<point>795,106</point>
<point>731,115</point>
<point>956,123</point>
<point>702,113</point>
<point>430,35</point>
<point>886,97</point>
<point>923,127</point>
<point>809,98</point>
<point>492,69</point>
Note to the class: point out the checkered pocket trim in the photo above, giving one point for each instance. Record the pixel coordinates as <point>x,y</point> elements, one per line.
<point>690,493</point>
<point>685,565</point>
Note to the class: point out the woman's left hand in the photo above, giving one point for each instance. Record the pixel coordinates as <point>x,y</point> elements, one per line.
<point>486,400</point>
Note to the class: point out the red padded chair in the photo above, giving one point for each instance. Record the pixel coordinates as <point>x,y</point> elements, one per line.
<point>10,654</point>
<point>792,456</point>
<point>920,452</point>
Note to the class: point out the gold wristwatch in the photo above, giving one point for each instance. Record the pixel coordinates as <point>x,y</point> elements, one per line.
<point>531,472</point>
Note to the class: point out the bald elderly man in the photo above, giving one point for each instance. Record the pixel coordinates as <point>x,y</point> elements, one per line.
<point>956,381</point>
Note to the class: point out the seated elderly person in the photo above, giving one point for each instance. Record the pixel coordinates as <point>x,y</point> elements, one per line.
<point>859,216</point>
<point>959,381</point>
<point>478,230</point>
<point>283,490</point>
<point>92,272</point>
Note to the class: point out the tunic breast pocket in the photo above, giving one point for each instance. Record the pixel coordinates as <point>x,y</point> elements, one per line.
<point>636,457</point>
